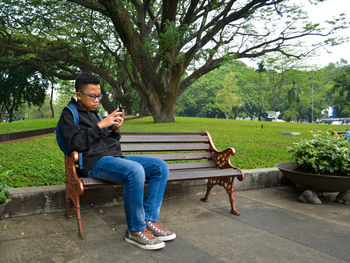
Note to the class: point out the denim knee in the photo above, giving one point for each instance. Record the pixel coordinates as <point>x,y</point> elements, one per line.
<point>163,168</point>
<point>136,174</point>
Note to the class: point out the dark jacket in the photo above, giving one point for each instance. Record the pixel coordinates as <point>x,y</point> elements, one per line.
<point>88,138</point>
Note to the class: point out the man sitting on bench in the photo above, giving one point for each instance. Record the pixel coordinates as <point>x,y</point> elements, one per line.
<point>98,141</point>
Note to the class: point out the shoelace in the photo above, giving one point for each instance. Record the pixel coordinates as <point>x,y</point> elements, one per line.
<point>159,227</point>
<point>147,233</point>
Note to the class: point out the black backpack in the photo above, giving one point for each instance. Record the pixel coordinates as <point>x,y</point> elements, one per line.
<point>59,138</point>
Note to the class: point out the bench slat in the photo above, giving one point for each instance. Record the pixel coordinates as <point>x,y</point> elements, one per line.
<point>164,147</point>
<point>193,165</point>
<point>163,133</point>
<point>148,139</point>
<point>206,173</point>
<point>178,175</point>
<point>94,182</point>
<point>179,156</point>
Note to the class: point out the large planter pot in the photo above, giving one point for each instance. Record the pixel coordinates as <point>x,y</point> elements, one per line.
<point>315,182</point>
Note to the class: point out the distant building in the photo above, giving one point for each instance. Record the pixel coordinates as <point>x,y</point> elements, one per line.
<point>328,113</point>
<point>273,116</point>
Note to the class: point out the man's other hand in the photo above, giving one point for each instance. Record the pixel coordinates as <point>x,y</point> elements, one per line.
<point>116,118</point>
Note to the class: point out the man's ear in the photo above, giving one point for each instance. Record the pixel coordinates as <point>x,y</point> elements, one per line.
<point>78,94</point>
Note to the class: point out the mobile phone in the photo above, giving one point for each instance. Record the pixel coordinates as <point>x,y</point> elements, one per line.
<point>121,108</point>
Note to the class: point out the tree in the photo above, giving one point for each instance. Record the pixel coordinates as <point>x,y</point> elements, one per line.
<point>21,85</point>
<point>342,92</point>
<point>63,43</point>
<point>167,39</point>
<point>186,33</point>
<point>261,69</point>
<point>227,97</point>
<point>293,97</point>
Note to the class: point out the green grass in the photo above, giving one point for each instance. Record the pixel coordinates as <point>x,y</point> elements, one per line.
<point>40,162</point>
<point>27,125</point>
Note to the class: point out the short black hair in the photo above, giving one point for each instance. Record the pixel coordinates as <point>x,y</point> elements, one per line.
<point>83,79</point>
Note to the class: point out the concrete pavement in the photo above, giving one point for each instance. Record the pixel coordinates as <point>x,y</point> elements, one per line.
<point>273,227</point>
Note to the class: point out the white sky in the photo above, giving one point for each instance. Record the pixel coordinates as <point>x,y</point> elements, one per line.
<point>326,10</point>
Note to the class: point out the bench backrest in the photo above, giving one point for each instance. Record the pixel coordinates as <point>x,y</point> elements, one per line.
<point>192,149</point>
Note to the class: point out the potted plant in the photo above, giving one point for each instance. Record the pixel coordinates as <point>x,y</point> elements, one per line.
<point>321,164</point>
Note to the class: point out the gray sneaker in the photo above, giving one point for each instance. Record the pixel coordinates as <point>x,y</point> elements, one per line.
<point>144,239</point>
<point>161,233</point>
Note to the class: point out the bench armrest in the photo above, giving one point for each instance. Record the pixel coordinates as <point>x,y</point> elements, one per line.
<point>72,178</point>
<point>222,159</point>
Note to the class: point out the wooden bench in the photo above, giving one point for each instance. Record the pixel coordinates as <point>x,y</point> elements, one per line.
<point>196,151</point>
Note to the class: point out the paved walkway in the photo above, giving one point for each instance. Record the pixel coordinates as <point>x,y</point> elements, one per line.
<point>273,227</point>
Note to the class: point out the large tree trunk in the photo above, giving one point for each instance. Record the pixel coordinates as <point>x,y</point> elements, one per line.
<point>163,112</point>
<point>144,111</point>
<point>163,108</point>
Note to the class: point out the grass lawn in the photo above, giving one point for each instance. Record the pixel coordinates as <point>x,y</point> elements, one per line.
<point>40,162</point>
<point>27,125</point>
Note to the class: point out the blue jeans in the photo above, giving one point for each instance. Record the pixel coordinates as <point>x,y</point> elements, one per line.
<point>132,171</point>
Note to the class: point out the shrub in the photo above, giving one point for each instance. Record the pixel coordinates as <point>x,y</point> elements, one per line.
<point>324,153</point>
<point>3,194</point>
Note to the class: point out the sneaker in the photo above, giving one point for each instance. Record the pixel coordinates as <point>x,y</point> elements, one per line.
<point>144,239</point>
<point>161,233</point>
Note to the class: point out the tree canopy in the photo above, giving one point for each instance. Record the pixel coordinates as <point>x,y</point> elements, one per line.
<point>299,94</point>
<point>158,48</point>
<point>18,86</point>
<point>342,91</point>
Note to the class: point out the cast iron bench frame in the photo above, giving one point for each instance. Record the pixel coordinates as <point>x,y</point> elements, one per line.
<point>190,147</point>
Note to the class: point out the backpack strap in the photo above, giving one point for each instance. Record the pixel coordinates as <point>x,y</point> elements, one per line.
<point>75,114</point>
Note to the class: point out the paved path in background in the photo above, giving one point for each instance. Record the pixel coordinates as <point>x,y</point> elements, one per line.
<point>273,227</point>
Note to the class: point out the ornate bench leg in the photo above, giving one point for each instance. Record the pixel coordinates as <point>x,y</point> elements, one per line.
<point>77,209</point>
<point>227,183</point>
<point>210,185</point>
<point>74,188</point>
<point>230,192</point>
<point>68,207</point>
<point>73,195</point>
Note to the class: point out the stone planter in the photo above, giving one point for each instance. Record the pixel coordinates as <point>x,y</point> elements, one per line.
<point>316,184</point>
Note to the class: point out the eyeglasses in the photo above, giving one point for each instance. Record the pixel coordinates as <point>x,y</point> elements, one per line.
<point>93,97</point>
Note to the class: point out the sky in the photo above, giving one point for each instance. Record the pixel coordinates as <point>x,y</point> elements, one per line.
<point>327,10</point>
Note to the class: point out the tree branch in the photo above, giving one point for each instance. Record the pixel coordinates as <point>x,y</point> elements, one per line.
<point>91,5</point>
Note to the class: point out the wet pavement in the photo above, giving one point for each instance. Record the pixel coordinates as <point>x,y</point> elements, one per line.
<point>273,227</point>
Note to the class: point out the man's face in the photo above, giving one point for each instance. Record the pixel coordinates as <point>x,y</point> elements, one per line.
<point>89,103</point>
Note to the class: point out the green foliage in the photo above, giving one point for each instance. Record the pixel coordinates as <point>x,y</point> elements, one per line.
<point>177,38</point>
<point>170,38</point>
<point>227,97</point>
<point>342,91</point>
<point>21,85</point>
<point>284,87</point>
<point>324,153</point>
<point>200,100</point>
<point>3,193</point>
